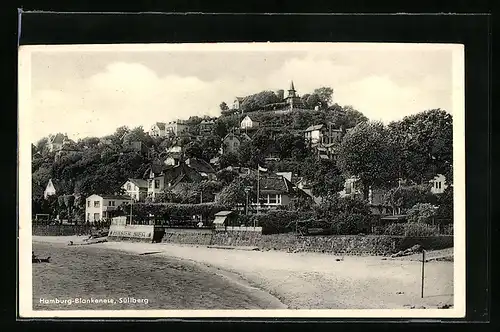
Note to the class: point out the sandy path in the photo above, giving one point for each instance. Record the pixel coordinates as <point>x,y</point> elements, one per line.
<point>317,281</point>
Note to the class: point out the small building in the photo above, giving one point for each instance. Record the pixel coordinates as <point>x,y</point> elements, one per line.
<point>230,143</point>
<point>177,128</point>
<point>103,207</point>
<point>136,188</point>
<point>438,184</point>
<point>293,99</point>
<point>323,134</point>
<point>224,219</point>
<point>248,124</point>
<point>50,189</point>
<point>157,130</point>
<point>237,103</point>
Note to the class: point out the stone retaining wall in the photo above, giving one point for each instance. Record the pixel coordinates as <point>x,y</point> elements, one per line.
<point>60,230</point>
<point>337,244</point>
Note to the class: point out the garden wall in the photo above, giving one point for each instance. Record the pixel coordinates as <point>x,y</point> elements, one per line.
<point>60,230</point>
<point>338,244</point>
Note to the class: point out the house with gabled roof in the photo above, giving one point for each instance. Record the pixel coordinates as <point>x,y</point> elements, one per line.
<point>248,124</point>
<point>51,188</point>
<point>136,188</point>
<point>104,207</point>
<point>276,190</point>
<point>158,130</point>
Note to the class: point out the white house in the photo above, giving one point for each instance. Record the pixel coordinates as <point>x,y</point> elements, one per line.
<point>103,207</point>
<point>136,188</point>
<point>237,103</point>
<point>56,142</point>
<point>50,189</point>
<point>157,130</point>
<point>248,123</point>
<point>438,184</point>
<point>313,134</point>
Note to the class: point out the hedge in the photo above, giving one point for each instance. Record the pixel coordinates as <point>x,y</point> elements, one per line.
<point>279,221</point>
<point>167,210</point>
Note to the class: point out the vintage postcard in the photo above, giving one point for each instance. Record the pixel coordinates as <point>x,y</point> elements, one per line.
<point>242,180</point>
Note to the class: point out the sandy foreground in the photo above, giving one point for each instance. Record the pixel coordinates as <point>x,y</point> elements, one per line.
<point>313,280</point>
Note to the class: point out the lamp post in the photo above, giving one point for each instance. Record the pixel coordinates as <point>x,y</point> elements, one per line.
<point>247,192</point>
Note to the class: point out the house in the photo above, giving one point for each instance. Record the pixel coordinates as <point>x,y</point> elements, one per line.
<point>174,155</point>
<point>103,207</point>
<point>323,134</point>
<point>157,130</point>
<point>274,190</point>
<point>351,187</point>
<point>237,103</point>
<point>177,128</point>
<point>248,124</point>
<point>56,142</point>
<point>191,171</point>
<point>438,184</point>
<point>136,146</point>
<point>231,142</point>
<point>136,188</point>
<point>206,127</point>
<point>306,187</point>
<point>201,166</point>
<point>51,188</point>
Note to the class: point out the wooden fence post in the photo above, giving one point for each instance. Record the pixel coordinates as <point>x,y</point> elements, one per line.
<point>423,274</point>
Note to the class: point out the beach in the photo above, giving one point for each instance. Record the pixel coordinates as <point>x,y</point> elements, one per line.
<point>269,279</point>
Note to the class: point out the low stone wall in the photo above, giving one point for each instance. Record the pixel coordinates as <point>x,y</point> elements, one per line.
<point>338,244</point>
<point>127,239</point>
<point>188,236</point>
<point>60,230</point>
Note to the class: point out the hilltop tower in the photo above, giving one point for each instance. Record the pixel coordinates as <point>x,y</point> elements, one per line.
<point>293,99</point>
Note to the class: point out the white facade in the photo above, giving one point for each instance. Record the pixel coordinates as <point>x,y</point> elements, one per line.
<point>314,136</point>
<point>49,190</point>
<point>248,123</point>
<point>135,191</point>
<point>157,130</point>
<point>100,208</point>
<point>438,184</point>
<point>155,186</point>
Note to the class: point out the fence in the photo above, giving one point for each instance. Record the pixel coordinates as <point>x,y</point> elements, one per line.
<point>63,230</point>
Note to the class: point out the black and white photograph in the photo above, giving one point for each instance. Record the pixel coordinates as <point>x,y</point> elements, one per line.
<point>242,180</point>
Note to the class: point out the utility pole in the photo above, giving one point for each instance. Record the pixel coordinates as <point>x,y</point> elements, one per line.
<point>423,274</point>
<point>131,203</point>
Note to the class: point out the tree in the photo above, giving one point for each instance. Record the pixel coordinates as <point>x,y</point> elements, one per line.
<point>232,194</point>
<point>229,159</point>
<point>324,176</point>
<point>227,176</point>
<point>422,213</point>
<point>249,155</point>
<point>366,153</point>
<point>258,101</point>
<point>314,100</point>
<point>325,95</point>
<point>350,118</point>
<point>223,106</point>
<point>425,143</point>
<point>403,198</point>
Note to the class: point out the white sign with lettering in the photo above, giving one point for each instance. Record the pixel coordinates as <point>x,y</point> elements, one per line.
<point>134,231</point>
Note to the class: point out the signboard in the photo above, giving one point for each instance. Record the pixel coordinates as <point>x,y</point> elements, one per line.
<point>133,231</point>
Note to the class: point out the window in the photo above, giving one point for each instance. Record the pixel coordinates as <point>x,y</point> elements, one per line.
<point>111,203</point>
<point>97,204</point>
<point>88,203</point>
<point>278,199</point>
<point>150,184</point>
<point>157,184</point>
<point>272,199</point>
<point>439,185</point>
<point>129,187</point>
<point>88,216</point>
<point>348,188</point>
<point>97,216</point>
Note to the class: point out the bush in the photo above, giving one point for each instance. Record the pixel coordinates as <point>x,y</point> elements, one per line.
<point>279,221</point>
<point>245,220</point>
<point>422,213</point>
<point>419,229</point>
<point>351,224</point>
<point>411,230</point>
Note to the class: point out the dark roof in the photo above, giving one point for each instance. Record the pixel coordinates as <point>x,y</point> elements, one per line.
<point>181,172</point>
<point>315,127</point>
<point>55,183</point>
<point>275,183</point>
<point>139,182</point>
<point>161,125</point>
<point>240,98</point>
<point>200,165</point>
<point>122,197</point>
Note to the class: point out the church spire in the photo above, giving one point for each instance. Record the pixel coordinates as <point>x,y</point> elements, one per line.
<point>291,91</point>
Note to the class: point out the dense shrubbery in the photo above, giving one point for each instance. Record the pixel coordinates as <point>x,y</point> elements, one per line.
<point>279,221</point>
<point>422,213</point>
<point>351,224</point>
<point>411,229</point>
<point>167,210</point>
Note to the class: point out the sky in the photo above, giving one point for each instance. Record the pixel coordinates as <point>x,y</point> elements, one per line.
<point>90,92</point>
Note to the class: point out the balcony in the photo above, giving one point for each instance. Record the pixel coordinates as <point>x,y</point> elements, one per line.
<point>107,208</point>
